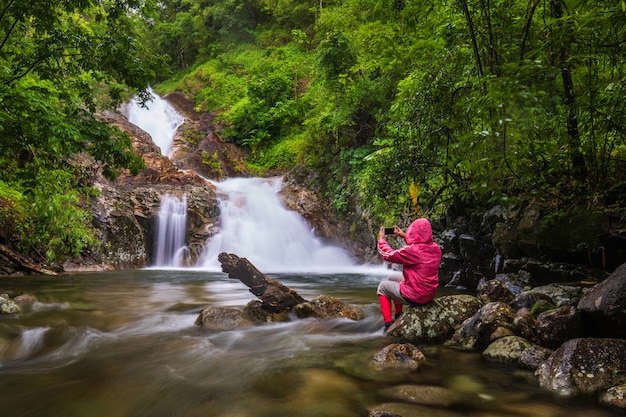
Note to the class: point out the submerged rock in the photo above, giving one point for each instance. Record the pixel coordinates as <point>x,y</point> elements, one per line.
<point>584,366</point>
<point>435,321</point>
<point>433,396</point>
<point>398,355</point>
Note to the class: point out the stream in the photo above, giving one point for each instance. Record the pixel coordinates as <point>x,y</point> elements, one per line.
<point>124,344</point>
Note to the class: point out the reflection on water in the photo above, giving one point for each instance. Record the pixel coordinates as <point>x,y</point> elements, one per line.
<point>124,344</point>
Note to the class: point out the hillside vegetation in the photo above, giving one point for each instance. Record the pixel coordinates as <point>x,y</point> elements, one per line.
<point>405,106</point>
<point>402,107</point>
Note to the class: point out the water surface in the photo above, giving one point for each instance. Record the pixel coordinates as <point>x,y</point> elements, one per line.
<point>124,344</point>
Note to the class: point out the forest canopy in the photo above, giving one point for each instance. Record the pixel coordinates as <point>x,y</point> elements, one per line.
<point>401,106</point>
<point>409,105</point>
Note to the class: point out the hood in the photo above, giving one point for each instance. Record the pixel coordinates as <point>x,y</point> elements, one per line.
<point>419,231</point>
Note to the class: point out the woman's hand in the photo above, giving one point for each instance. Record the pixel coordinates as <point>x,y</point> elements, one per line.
<point>398,232</point>
<point>381,233</point>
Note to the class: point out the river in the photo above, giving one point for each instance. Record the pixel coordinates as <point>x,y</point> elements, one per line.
<point>124,344</point>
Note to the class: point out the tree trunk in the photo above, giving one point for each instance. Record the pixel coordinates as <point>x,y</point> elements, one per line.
<point>276,297</point>
<point>579,168</point>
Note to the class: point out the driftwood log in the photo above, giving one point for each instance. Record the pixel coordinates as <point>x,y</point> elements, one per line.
<point>21,263</point>
<point>276,297</point>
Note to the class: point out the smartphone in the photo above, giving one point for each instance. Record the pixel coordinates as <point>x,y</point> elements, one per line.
<point>390,230</point>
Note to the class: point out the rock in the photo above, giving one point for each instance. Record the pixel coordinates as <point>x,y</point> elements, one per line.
<point>558,294</point>
<point>534,356</point>
<point>222,318</point>
<point>493,320</point>
<point>478,256</point>
<point>528,300</point>
<point>506,349</point>
<point>494,290</point>
<point>435,321</point>
<point>603,308</point>
<point>524,324</point>
<point>25,300</point>
<point>584,366</point>
<point>327,307</point>
<point>432,396</point>
<point>398,355</point>
<point>557,326</point>
<point>615,397</point>
<point>7,306</point>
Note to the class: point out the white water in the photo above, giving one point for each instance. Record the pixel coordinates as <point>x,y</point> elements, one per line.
<point>158,118</point>
<point>254,222</point>
<point>171,248</point>
<point>255,225</point>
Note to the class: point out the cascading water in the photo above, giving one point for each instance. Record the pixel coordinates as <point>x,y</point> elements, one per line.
<point>161,121</point>
<point>257,226</point>
<point>171,249</point>
<point>158,118</point>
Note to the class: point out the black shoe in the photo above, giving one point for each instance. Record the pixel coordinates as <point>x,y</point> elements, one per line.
<point>398,314</point>
<point>387,325</point>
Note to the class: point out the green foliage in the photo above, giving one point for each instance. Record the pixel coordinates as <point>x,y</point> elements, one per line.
<point>62,61</point>
<point>59,227</point>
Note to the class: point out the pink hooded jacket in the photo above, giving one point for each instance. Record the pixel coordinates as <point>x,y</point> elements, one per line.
<point>420,259</point>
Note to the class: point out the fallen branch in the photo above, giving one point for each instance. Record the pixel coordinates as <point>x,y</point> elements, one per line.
<point>22,263</point>
<point>276,297</point>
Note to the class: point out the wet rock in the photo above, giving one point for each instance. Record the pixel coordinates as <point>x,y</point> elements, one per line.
<point>327,307</point>
<point>494,290</point>
<point>478,256</point>
<point>614,396</point>
<point>506,349</point>
<point>7,306</point>
<point>222,318</point>
<point>433,396</point>
<point>558,294</point>
<point>492,321</point>
<point>603,308</point>
<point>528,299</point>
<point>25,300</point>
<point>435,321</point>
<point>584,366</point>
<point>557,326</point>
<point>534,356</point>
<point>398,355</point>
<point>524,324</point>
<point>257,314</point>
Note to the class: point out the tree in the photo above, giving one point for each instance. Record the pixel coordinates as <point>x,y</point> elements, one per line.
<point>60,62</point>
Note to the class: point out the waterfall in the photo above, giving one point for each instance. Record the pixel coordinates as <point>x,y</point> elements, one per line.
<point>171,249</point>
<point>158,118</point>
<point>256,225</point>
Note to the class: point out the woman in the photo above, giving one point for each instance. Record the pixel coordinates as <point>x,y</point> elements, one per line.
<point>420,260</point>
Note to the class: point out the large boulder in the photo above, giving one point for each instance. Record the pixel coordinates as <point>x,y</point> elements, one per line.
<point>557,326</point>
<point>584,366</point>
<point>603,308</point>
<point>435,321</point>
